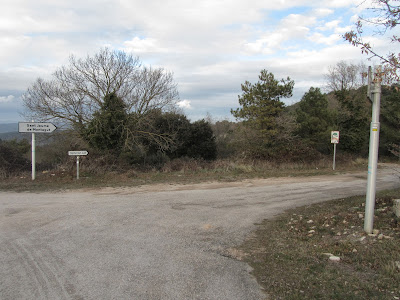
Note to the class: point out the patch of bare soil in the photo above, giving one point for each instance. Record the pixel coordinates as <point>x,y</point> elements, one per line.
<point>163,187</point>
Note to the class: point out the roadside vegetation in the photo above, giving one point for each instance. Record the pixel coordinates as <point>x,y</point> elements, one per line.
<point>322,252</point>
<point>148,138</point>
<point>177,171</point>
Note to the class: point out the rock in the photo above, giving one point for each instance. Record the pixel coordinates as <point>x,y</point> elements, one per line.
<point>397,263</point>
<point>334,258</point>
<point>374,233</point>
<point>380,237</point>
<point>355,250</point>
<point>362,238</point>
<point>311,231</point>
<point>360,216</point>
<point>310,221</point>
<point>396,207</point>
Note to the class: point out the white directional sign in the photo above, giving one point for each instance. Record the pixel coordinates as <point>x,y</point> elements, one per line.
<point>78,153</point>
<point>35,127</point>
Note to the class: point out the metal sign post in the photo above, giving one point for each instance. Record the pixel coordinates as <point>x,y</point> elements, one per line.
<point>35,127</point>
<point>374,95</point>
<point>77,154</point>
<point>33,156</point>
<point>77,167</point>
<point>334,141</point>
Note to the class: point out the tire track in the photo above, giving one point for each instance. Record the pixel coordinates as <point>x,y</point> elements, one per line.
<point>44,271</point>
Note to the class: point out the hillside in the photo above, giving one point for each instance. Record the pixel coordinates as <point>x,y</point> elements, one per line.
<point>8,127</point>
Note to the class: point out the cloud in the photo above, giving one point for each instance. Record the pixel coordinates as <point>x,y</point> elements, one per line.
<point>329,25</point>
<point>143,45</point>
<point>293,26</point>
<point>322,39</point>
<point>186,104</point>
<point>212,47</point>
<point>322,12</point>
<point>6,99</point>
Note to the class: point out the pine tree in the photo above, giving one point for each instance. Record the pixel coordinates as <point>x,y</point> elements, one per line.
<point>261,102</point>
<point>315,120</point>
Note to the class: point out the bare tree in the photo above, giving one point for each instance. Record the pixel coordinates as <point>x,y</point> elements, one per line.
<point>385,17</point>
<point>344,77</point>
<point>77,91</point>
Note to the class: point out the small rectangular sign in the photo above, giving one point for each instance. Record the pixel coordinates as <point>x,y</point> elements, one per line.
<point>35,127</point>
<point>335,137</point>
<point>78,153</point>
<point>375,126</point>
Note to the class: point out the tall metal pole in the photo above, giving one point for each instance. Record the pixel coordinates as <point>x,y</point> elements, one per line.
<point>77,167</point>
<point>375,94</point>
<point>33,157</point>
<point>334,156</point>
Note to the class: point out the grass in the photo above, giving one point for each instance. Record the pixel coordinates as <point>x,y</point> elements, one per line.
<point>181,171</point>
<point>291,254</point>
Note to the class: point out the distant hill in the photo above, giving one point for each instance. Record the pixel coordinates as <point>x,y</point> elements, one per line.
<point>8,127</point>
<point>5,136</point>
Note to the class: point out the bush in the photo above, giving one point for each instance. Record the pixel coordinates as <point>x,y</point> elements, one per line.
<point>12,157</point>
<point>201,142</point>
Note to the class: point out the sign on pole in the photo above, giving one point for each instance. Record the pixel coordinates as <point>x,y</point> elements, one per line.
<point>35,127</point>
<point>335,137</point>
<point>334,141</point>
<point>77,154</point>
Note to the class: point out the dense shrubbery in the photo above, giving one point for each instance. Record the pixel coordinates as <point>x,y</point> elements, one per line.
<point>12,157</point>
<point>119,139</point>
<point>302,132</point>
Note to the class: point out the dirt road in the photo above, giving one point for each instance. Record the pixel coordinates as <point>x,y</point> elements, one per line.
<point>158,242</point>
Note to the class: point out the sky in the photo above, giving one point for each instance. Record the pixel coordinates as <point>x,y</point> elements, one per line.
<point>211,46</point>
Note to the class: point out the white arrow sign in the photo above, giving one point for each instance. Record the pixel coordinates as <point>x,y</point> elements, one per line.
<point>35,127</point>
<point>78,153</point>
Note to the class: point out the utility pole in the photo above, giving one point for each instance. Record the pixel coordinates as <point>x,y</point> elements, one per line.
<point>374,95</point>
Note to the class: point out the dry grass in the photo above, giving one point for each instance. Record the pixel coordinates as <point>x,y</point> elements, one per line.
<point>98,173</point>
<point>291,254</point>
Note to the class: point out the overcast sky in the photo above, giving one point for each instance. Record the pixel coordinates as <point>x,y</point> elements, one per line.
<point>211,46</point>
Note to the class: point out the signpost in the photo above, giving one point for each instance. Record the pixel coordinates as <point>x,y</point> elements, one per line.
<point>35,127</point>
<point>77,154</point>
<point>334,141</point>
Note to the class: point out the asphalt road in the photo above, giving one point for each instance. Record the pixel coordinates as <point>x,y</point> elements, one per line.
<point>160,242</point>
